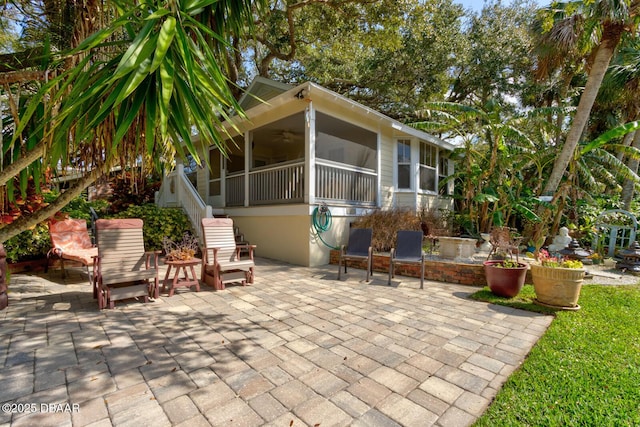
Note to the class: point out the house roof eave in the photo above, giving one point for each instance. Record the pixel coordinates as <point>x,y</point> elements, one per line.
<point>411,131</point>
<point>396,125</point>
<point>305,90</point>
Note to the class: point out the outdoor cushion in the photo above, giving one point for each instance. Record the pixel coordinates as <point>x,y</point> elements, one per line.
<point>70,240</point>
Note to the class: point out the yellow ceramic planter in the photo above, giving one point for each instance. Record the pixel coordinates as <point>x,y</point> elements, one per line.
<point>557,287</point>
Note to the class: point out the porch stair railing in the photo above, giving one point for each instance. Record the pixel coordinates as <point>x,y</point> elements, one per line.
<point>177,191</point>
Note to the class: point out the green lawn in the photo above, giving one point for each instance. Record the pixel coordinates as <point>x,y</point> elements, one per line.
<point>585,370</point>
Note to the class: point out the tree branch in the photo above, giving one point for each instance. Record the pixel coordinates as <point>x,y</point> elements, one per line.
<point>21,76</point>
<point>28,221</point>
<point>25,160</point>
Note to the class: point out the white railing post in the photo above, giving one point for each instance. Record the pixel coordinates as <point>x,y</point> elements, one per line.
<point>247,164</point>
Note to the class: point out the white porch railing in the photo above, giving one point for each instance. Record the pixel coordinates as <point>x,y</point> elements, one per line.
<point>345,183</point>
<point>284,183</point>
<point>177,191</point>
<point>234,190</point>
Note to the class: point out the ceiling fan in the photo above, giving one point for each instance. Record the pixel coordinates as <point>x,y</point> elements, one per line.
<point>286,136</point>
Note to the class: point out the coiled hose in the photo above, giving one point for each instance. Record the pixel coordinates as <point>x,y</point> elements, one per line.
<point>321,219</point>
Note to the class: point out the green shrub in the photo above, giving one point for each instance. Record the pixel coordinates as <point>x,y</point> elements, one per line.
<point>35,243</point>
<point>385,225</point>
<point>28,245</point>
<point>80,208</point>
<point>158,223</point>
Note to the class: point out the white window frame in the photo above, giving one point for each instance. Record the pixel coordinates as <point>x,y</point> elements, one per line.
<point>397,163</point>
<point>444,172</point>
<point>434,158</point>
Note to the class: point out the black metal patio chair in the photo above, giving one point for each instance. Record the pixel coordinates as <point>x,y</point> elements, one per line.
<point>408,250</point>
<point>358,248</point>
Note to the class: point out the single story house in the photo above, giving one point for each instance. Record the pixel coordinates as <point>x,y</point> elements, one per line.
<point>303,147</point>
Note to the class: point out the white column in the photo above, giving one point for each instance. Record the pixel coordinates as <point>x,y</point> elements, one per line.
<point>379,167</point>
<point>310,155</point>
<point>223,179</point>
<point>177,178</point>
<point>247,161</point>
<point>415,170</point>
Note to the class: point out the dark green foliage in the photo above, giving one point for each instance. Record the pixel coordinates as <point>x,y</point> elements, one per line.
<point>28,245</point>
<point>385,225</point>
<point>128,191</point>
<point>81,208</point>
<point>158,223</point>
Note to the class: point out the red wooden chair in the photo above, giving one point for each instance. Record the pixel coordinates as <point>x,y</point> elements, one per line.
<point>123,269</point>
<point>221,262</point>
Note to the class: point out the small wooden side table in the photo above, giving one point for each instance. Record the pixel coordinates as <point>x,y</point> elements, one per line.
<point>181,281</point>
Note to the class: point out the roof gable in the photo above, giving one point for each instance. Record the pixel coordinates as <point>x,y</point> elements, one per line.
<point>261,89</point>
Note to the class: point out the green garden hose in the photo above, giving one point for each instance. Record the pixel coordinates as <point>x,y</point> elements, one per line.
<point>321,219</point>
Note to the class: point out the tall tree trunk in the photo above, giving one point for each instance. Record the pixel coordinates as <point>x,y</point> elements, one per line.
<point>629,185</point>
<point>626,141</point>
<point>610,39</point>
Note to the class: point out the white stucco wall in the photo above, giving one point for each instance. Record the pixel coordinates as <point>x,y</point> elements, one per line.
<point>277,237</point>
<point>287,233</point>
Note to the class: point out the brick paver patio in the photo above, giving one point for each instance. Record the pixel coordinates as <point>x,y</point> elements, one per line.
<point>296,348</point>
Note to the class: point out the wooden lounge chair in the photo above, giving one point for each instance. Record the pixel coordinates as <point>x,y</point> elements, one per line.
<point>70,240</point>
<point>358,248</point>
<point>123,269</point>
<point>221,262</point>
<point>408,250</point>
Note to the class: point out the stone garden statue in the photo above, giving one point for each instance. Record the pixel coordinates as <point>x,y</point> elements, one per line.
<point>560,241</point>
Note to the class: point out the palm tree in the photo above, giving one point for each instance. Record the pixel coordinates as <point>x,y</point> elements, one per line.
<point>582,22</point>
<point>620,90</point>
<point>132,91</point>
<point>495,155</point>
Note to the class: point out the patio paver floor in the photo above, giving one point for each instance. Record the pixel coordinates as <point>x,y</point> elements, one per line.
<point>297,347</point>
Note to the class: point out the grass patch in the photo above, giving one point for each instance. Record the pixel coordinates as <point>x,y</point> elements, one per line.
<point>524,300</point>
<point>583,371</point>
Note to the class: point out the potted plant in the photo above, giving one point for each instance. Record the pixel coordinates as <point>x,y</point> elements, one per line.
<point>184,250</point>
<point>505,277</point>
<point>557,282</point>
